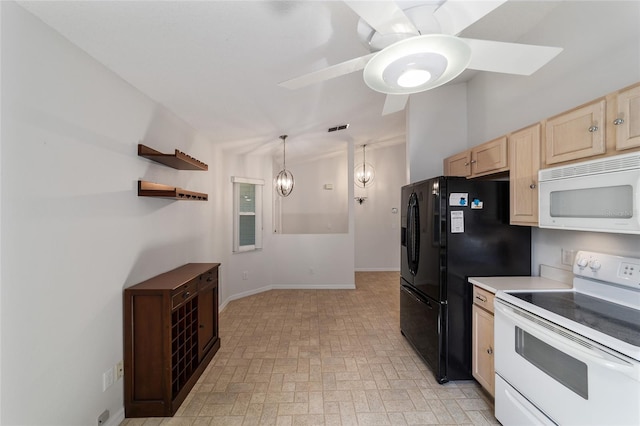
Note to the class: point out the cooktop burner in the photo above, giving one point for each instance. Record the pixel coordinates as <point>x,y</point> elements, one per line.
<point>612,319</point>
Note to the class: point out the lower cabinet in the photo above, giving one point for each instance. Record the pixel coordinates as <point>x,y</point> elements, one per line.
<point>170,335</point>
<point>482,363</point>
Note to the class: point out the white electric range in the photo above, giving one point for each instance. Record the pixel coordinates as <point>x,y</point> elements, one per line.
<point>572,357</point>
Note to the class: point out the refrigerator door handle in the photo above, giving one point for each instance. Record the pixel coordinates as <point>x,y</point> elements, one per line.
<point>409,236</point>
<point>417,297</point>
<point>413,237</point>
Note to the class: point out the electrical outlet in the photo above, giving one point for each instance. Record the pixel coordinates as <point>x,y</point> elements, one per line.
<point>568,256</point>
<point>119,370</point>
<point>107,379</point>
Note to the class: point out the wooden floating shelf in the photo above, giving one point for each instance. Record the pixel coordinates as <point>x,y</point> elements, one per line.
<point>150,189</point>
<point>179,160</point>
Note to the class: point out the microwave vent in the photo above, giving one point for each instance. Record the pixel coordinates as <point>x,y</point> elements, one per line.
<point>604,165</point>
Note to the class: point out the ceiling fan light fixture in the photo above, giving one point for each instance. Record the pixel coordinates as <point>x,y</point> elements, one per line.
<point>444,57</point>
<point>414,70</point>
<point>413,78</point>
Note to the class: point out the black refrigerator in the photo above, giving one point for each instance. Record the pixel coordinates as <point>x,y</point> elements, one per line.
<point>453,228</point>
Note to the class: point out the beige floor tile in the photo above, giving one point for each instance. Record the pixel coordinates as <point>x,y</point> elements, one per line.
<point>367,419</point>
<point>323,357</point>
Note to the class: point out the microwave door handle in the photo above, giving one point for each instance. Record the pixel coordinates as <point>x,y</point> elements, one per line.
<point>546,332</point>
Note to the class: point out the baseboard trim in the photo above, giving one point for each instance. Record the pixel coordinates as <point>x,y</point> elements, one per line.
<point>393,269</point>
<point>116,419</point>
<point>224,304</point>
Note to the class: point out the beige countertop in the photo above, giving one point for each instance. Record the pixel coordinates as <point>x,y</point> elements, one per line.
<point>493,284</point>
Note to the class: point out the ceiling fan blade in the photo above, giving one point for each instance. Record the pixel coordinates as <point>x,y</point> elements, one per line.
<point>383,16</point>
<point>394,103</point>
<point>328,73</point>
<point>509,58</point>
<point>456,15</point>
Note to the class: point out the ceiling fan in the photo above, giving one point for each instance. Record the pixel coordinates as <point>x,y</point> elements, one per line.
<point>417,49</point>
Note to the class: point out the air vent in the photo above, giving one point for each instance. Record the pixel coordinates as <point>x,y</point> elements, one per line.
<point>604,165</point>
<point>336,128</point>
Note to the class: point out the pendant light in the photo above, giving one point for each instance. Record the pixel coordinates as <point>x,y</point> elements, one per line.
<point>364,172</point>
<point>284,179</point>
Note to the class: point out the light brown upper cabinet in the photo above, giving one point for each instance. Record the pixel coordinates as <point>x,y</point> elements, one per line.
<point>626,118</point>
<point>487,158</point>
<point>458,164</point>
<point>576,134</point>
<point>524,162</point>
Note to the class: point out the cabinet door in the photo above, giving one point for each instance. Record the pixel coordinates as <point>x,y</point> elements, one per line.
<point>576,134</point>
<point>458,164</point>
<point>482,344</point>
<point>490,157</point>
<point>524,162</point>
<point>207,319</point>
<point>627,120</point>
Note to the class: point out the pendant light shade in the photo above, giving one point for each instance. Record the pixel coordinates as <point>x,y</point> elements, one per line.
<point>364,172</point>
<point>284,180</point>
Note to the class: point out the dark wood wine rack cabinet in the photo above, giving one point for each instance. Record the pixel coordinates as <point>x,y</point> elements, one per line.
<point>170,335</point>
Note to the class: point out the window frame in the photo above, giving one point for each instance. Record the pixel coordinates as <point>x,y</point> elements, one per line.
<point>259,185</point>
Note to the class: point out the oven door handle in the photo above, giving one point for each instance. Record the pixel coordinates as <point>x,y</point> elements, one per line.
<point>572,344</point>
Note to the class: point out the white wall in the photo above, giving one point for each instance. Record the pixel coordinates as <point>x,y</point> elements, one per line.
<point>312,261</point>
<point>377,228</point>
<point>601,54</point>
<point>315,261</point>
<point>311,208</point>
<point>74,231</point>
<point>436,128</point>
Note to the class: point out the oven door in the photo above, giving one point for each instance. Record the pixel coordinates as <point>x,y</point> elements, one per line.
<point>570,379</point>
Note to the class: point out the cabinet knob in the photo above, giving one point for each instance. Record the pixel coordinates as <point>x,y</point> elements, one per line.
<point>618,121</point>
<point>201,325</point>
<point>473,161</point>
<point>466,164</point>
<point>186,294</point>
<point>490,350</point>
<point>593,129</point>
<point>481,298</point>
<point>532,186</point>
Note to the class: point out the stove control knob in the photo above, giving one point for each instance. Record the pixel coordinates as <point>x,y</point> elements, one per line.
<point>595,265</point>
<point>582,263</point>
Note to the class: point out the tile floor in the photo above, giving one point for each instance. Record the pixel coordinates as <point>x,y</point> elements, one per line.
<point>323,357</point>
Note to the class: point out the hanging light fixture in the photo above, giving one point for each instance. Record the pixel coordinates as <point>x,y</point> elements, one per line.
<point>417,64</point>
<point>364,172</point>
<point>284,179</point>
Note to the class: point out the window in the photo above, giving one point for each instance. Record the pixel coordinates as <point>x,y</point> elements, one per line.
<point>247,214</point>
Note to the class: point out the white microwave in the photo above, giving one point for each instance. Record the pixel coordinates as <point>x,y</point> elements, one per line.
<point>598,195</point>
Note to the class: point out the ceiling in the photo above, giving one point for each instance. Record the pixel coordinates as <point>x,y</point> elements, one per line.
<point>216,64</point>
